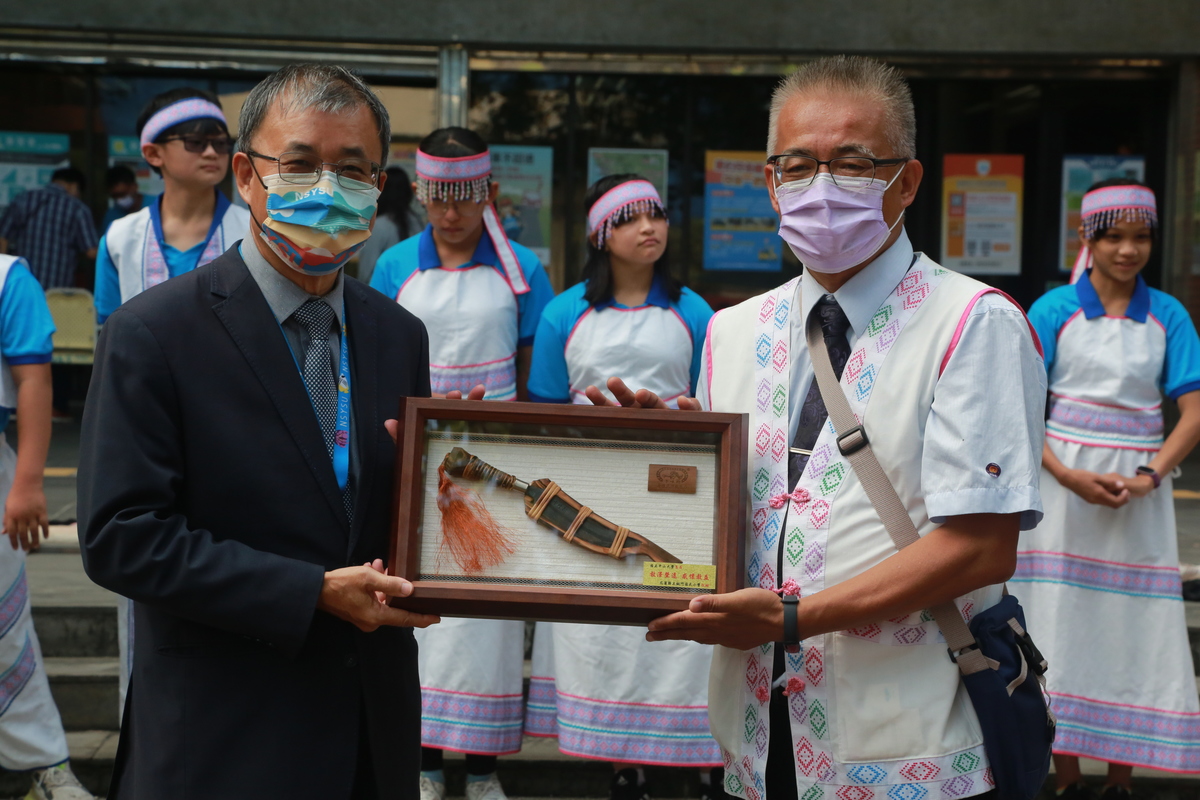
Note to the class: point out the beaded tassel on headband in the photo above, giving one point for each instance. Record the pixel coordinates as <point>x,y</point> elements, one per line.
<point>621,203</point>
<point>1105,207</point>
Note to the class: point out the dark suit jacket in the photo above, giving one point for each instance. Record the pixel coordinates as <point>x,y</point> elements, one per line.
<point>207,496</point>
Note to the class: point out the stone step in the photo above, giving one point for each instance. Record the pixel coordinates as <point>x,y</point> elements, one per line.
<point>85,691</point>
<point>76,631</point>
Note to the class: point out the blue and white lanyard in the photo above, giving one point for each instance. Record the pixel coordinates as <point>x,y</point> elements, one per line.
<point>341,432</point>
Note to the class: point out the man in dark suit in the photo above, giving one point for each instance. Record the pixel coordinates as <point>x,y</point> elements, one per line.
<point>220,489</point>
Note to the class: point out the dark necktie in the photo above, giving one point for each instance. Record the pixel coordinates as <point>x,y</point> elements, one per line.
<point>834,326</point>
<point>317,317</point>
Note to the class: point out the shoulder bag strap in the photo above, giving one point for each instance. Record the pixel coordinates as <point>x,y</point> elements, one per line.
<point>853,443</point>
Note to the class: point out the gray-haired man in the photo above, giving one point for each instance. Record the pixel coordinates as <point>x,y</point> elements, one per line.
<point>235,468</point>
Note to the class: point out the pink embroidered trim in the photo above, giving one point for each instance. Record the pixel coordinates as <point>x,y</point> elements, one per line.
<point>481,364</point>
<point>708,340</point>
<point>1107,405</point>
<point>962,323</point>
<point>1096,561</point>
<point>1050,435</point>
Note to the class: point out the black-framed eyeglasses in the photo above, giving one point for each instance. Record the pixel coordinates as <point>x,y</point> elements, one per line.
<point>804,169</point>
<point>221,145</point>
<point>304,169</point>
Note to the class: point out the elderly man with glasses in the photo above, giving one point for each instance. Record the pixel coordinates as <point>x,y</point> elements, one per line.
<point>236,476</point>
<point>832,679</point>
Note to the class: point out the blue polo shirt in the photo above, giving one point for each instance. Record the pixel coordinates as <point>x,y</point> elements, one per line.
<point>26,327</point>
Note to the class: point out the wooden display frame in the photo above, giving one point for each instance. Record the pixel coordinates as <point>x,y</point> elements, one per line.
<point>497,599</point>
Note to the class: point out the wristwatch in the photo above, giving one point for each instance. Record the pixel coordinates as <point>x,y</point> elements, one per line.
<point>1145,470</point>
<point>791,627</point>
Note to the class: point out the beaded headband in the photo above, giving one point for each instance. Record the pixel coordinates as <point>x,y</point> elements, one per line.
<point>620,202</point>
<point>453,178</point>
<point>1102,208</point>
<point>184,111</point>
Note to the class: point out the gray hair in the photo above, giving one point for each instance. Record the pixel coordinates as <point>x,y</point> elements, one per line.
<point>854,75</point>
<point>324,87</point>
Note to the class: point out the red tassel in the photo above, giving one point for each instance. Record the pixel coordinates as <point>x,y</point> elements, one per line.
<point>474,537</point>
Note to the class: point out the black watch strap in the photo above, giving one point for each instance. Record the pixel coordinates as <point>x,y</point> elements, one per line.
<point>791,627</point>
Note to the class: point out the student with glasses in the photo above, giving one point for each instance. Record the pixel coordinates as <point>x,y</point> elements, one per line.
<point>185,139</point>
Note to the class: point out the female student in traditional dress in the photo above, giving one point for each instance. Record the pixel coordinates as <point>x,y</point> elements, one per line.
<point>185,139</point>
<point>480,297</point>
<point>604,691</point>
<point>1099,577</point>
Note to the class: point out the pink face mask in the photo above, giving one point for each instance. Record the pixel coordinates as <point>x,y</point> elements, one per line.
<point>832,227</point>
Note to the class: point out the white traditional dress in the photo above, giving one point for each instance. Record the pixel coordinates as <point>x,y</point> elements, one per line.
<point>946,378</point>
<point>603,690</point>
<point>1100,586</point>
<point>31,731</point>
<point>471,669</point>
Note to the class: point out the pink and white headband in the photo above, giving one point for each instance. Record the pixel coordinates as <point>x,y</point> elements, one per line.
<point>463,178</point>
<point>183,111</point>
<point>453,178</point>
<point>1102,208</point>
<point>620,202</point>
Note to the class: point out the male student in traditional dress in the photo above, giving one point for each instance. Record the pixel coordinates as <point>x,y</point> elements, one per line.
<point>947,380</point>
<point>235,481</point>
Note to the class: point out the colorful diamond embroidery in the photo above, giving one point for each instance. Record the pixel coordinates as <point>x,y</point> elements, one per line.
<point>771,532</point>
<point>909,636</point>
<point>855,793</point>
<point>779,401</point>
<point>760,740</point>
<point>815,792</point>
<point>855,364</point>
<point>819,459</point>
<point>764,395</point>
<point>833,478</point>
<point>753,566</point>
<point>916,296</point>
<point>794,547</point>
<point>779,446</point>
<point>988,777</point>
<point>909,282</point>
<point>762,482</point>
<point>779,358</point>
<point>804,756</point>
<point>762,350</point>
<point>888,337</point>
<point>966,762</point>
<point>767,309</point>
<point>762,440</point>
<point>817,720</point>
<point>819,513</point>
<point>907,791</point>
<point>733,784</point>
<point>867,773</point>
<point>864,385</point>
<point>781,314</point>
<point>795,661</point>
<point>759,521</point>
<point>766,578</point>
<point>957,786</point>
<point>778,485</point>
<point>879,320</point>
<point>871,631</point>
<point>814,562</point>
<point>927,616</point>
<point>814,666</point>
<point>798,707</point>
<point>920,771</point>
<point>825,769</point>
<point>751,723</point>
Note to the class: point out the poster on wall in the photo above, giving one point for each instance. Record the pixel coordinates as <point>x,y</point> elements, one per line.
<point>127,150</point>
<point>1080,172</point>
<point>740,226</point>
<point>982,198</point>
<point>650,164</point>
<point>526,176</point>
<point>27,160</point>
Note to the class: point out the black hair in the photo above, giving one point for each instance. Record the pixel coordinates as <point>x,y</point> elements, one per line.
<point>453,142</point>
<point>69,175</point>
<point>1106,183</point>
<point>396,199</point>
<point>117,175</point>
<point>597,270</point>
<point>198,127</point>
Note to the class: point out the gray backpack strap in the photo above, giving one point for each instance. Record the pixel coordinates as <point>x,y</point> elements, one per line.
<point>853,443</point>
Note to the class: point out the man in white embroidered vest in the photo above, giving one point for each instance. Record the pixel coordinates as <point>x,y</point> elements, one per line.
<point>947,381</point>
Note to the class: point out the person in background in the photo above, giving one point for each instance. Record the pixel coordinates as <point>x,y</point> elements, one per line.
<point>480,297</point>
<point>50,228</point>
<point>31,731</point>
<point>185,139</point>
<point>395,221</point>
<point>1103,565</point>
<point>122,186</point>
<point>591,684</point>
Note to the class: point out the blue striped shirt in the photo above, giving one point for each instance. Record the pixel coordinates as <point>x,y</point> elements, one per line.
<point>49,229</point>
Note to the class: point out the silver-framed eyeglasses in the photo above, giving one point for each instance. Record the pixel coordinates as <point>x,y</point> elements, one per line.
<point>804,169</point>
<point>304,169</point>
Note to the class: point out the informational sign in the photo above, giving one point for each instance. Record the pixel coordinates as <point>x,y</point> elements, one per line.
<point>650,164</point>
<point>1080,172</point>
<point>127,150</point>
<point>982,198</point>
<point>27,160</point>
<point>741,229</point>
<point>526,176</point>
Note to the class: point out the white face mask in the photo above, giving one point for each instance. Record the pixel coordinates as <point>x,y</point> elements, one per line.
<point>833,227</point>
<point>124,202</point>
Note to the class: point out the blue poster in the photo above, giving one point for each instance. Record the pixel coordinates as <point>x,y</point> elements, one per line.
<point>741,229</point>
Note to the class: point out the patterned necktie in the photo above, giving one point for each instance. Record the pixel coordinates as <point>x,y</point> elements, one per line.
<point>834,325</point>
<point>317,317</point>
